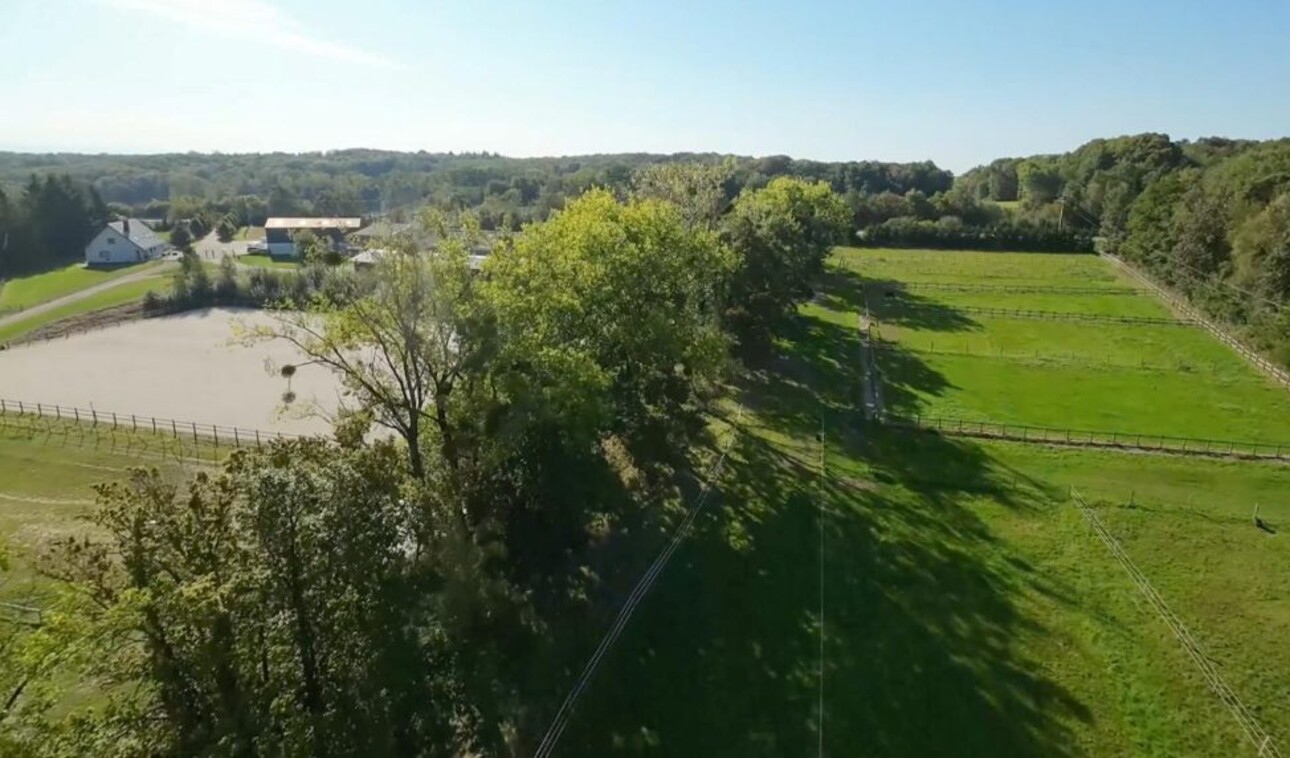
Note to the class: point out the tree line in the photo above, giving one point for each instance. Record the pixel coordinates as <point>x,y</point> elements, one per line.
<point>1209,217</point>
<point>504,193</point>
<point>47,224</point>
<point>422,591</point>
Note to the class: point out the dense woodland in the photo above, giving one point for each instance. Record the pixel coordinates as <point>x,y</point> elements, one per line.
<point>1211,217</point>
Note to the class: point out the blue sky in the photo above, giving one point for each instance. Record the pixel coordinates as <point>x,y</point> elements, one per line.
<point>959,83</point>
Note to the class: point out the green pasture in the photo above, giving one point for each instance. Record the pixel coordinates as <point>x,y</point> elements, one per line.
<point>968,609</point>
<point>24,292</point>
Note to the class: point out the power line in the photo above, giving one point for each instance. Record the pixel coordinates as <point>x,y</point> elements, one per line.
<point>642,587</point>
<point>820,502</point>
<point>1199,276</point>
<point>1261,740</point>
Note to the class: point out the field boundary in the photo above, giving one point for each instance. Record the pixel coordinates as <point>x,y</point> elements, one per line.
<point>986,310</point>
<point>1179,304</point>
<point>94,420</point>
<point>1249,724</point>
<point>1111,440</point>
<point>1049,358</point>
<point>1056,289</point>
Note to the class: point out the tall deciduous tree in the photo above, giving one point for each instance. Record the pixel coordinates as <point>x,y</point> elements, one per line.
<point>701,191</point>
<point>781,236</point>
<point>611,308</point>
<point>402,350</point>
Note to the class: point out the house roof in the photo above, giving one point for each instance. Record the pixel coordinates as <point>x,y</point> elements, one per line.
<point>140,233</point>
<point>383,229</point>
<point>313,223</point>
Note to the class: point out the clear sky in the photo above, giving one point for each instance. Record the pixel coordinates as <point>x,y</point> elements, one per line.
<point>954,81</point>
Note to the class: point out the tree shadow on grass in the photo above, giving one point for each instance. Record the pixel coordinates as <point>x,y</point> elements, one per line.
<point>890,303</point>
<point>923,603</point>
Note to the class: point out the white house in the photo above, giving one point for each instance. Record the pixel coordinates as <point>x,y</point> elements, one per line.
<point>126,241</point>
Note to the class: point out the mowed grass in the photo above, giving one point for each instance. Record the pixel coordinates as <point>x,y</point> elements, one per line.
<point>1006,269</point>
<point>47,472</point>
<point>264,261</point>
<point>943,360</point>
<point>24,292</point>
<point>120,295</point>
<point>967,607</point>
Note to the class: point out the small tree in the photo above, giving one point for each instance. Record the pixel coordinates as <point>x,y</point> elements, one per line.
<point>226,230</point>
<point>181,236</point>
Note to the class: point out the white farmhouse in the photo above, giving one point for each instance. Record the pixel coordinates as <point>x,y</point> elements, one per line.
<point>126,241</point>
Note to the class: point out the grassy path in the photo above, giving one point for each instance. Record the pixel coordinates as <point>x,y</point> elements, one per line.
<point>64,305</point>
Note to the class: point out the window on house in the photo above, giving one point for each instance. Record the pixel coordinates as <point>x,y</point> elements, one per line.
<point>111,240</point>
<point>104,255</point>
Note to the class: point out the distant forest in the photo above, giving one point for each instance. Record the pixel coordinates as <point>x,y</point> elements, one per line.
<point>1211,217</point>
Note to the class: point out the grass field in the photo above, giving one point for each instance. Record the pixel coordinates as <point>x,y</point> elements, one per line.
<point>27,291</point>
<point>264,261</point>
<point>47,471</point>
<point>968,608</point>
<point>945,360</point>
<point>963,605</point>
<point>110,298</point>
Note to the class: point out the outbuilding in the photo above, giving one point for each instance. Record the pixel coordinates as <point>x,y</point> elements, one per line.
<point>280,233</point>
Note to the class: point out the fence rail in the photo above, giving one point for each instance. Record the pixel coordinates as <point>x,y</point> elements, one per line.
<point>986,310</point>
<point>190,431</point>
<point>1013,288</point>
<point>1051,358</point>
<point>957,427</point>
<point>1277,373</point>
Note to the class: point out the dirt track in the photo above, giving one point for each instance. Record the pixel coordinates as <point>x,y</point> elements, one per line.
<point>177,367</point>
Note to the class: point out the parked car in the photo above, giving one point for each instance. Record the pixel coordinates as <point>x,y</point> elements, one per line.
<point>257,247</point>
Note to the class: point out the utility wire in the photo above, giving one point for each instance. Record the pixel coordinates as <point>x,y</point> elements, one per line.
<point>1259,738</point>
<point>642,587</point>
<point>820,502</point>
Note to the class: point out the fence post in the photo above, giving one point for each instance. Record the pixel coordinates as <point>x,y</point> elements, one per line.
<point>113,421</point>
<point>174,430</point>
<point>194,423</point>
<point>134,423</point>
<point>40,411</point>
<point>58,412</point>
<point>257,438</point>
<point>20,408</point>
<point>236,442</point>
<point>77,411</point>
<point>3,408</point>
<point>95,415</point>
<point>154,424</point>
<point>215,431</point>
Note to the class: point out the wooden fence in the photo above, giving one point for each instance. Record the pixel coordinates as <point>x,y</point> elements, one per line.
<point>957,427</point>
<point>188,431</point>
<point>1178,303</point>
<point>986,310</point>
<point>966,349</point>
<point>1029,289</point>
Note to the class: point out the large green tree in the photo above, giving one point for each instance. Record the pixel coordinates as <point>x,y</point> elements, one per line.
<point>781,236</point>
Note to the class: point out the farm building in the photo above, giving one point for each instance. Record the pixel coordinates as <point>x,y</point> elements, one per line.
<point>280,233</point>
<point>125,241</point>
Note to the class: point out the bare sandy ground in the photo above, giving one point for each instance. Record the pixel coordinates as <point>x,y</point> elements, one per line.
<point>182,367</point>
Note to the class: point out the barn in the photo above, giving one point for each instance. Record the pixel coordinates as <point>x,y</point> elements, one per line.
<point>126,241</point>
<point>280,233</point>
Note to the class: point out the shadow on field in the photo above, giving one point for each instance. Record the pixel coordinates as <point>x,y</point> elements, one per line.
<point>891,303</point>
<point>921,600</point>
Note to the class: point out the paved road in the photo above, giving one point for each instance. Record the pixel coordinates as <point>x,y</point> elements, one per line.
<point>35,310</point>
